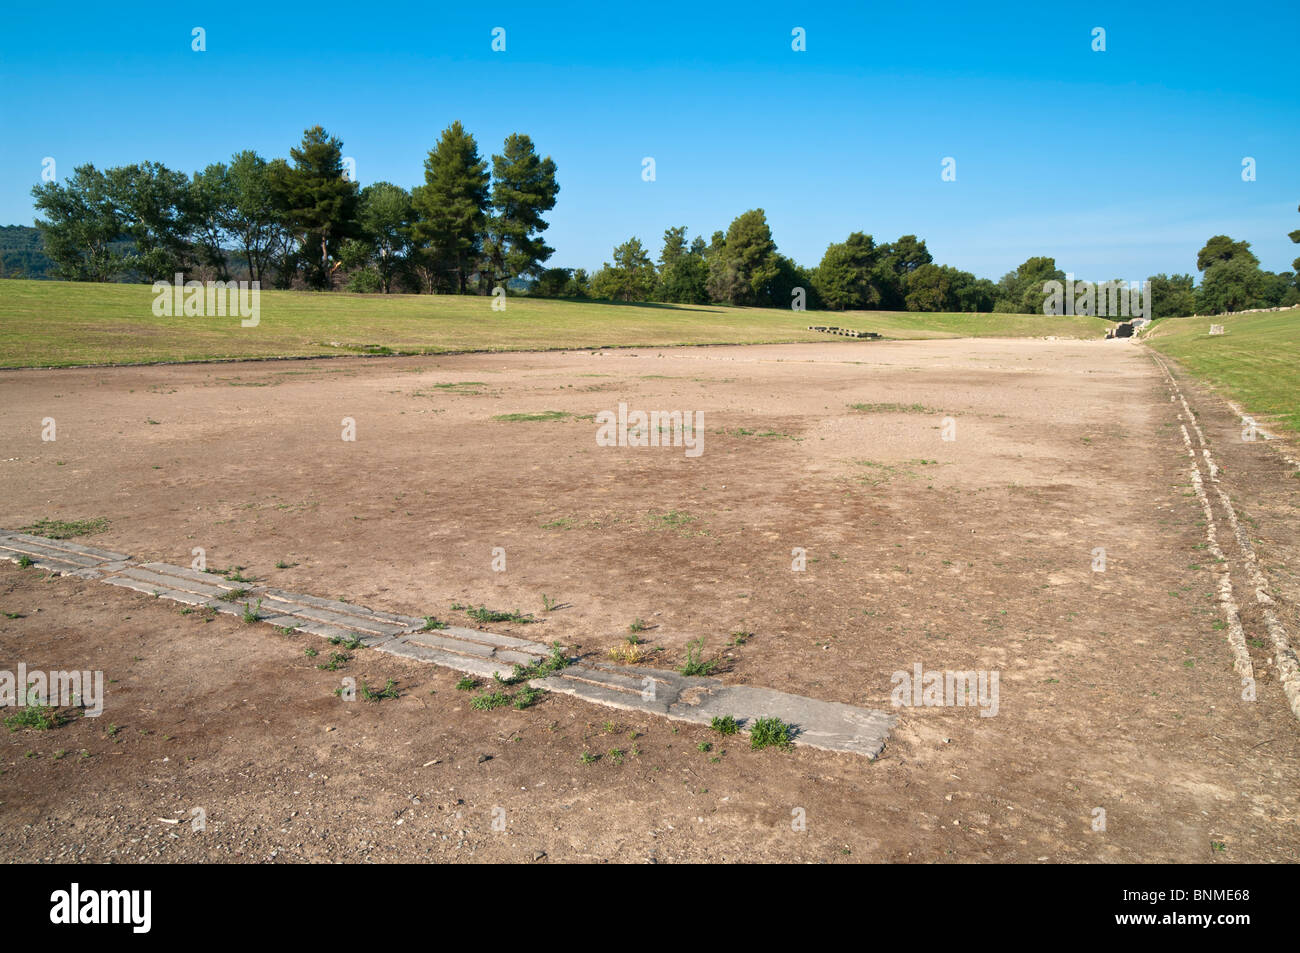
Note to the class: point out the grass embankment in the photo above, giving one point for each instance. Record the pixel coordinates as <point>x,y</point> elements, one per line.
<point>56,323</point>
<point>1256,361</point>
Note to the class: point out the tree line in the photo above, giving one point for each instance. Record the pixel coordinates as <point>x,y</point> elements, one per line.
<point>305,222</point>
<point>743,267</point>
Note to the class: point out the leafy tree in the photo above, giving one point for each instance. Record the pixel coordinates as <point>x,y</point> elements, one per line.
<point>210,191</point>
<point>1221,248</point>
<point>523,187</point>
<point>1021,291</point>
<point>317,202</point>
<point>683,271</point>
<point>384,217</point>
<point>1232,284</point>
<point>686,281</point>
<point>365,281</point>
<point>284,239</point>
<point>897,261</point>
<point>153,204</point>
<point>1275,288</point>
<point>1172,296</point>
<point>847,277</point>
<point>630,278</point>
<point>553,283</point>
<point>779,292</point>
<point>1233,280</point>
<point>452,205</point>
<point>249,216</point>
<point>579,285</point>
<point>930,289</point>
<point>974,294</point>
<point>674,246</point>
<point>907,254</point>
<point>941,288</point>
<point>81,226</point>
<point>743,264</point>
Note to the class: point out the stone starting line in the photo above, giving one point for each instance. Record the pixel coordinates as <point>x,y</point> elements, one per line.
<point>830,726</point>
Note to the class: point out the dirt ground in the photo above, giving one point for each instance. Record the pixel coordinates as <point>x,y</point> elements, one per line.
<point>1116,687</point>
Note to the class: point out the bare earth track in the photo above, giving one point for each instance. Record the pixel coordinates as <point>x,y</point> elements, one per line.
<point>1118,688</point>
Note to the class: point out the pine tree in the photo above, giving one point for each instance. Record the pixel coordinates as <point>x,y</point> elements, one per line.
<point>523,188</point>
<point>317,201</point>
<point>451,206</point>
<point>745,263</point>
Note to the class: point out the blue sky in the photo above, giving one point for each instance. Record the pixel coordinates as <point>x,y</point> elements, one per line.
<point>1119,164</point>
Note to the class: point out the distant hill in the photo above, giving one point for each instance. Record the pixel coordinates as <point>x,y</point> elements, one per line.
<point>22,253</point>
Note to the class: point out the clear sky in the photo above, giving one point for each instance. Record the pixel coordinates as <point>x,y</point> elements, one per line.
<point>1119,164</point>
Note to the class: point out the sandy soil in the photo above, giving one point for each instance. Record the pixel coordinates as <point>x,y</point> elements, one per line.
<point>1116,688</point>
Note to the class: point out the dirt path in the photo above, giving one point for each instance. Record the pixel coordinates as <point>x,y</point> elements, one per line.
<point>1117,688</point>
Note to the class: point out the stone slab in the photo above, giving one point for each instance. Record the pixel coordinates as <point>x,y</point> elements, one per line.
<point>831,726</point>
<point>332,605</point>
<point>42,562</point>
<point>362,625</point>
<point>185,583</point>
<point>491,638</point>
<point>436,640</point>
<point>468,664</point>
<point>34,550</point>
<point>105,555</point>
<point>193,575</point>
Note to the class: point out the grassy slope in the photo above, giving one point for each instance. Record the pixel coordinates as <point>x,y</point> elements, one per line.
<point>1256,362</point>
<point>47,323</point>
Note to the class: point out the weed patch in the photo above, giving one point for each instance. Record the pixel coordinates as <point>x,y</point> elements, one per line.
<point>66,529</point>
<point>771,733</point>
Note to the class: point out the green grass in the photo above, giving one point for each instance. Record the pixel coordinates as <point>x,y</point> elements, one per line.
<point>66,529</point>
<point>388,691</point>
<point>771,733</point>
<point>555,661</point>
<point>527,697</point>
<point>1256,362</point>
<point>484,614</point>
<point>673,519</point>
<point>489,700</point>
<point>724,724</point>
<point>694,664</point>
<point>35,718</point>
<point>533,418</point>
<point>894,409</point>
<point>58,323</point>
<point>336,662</point>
